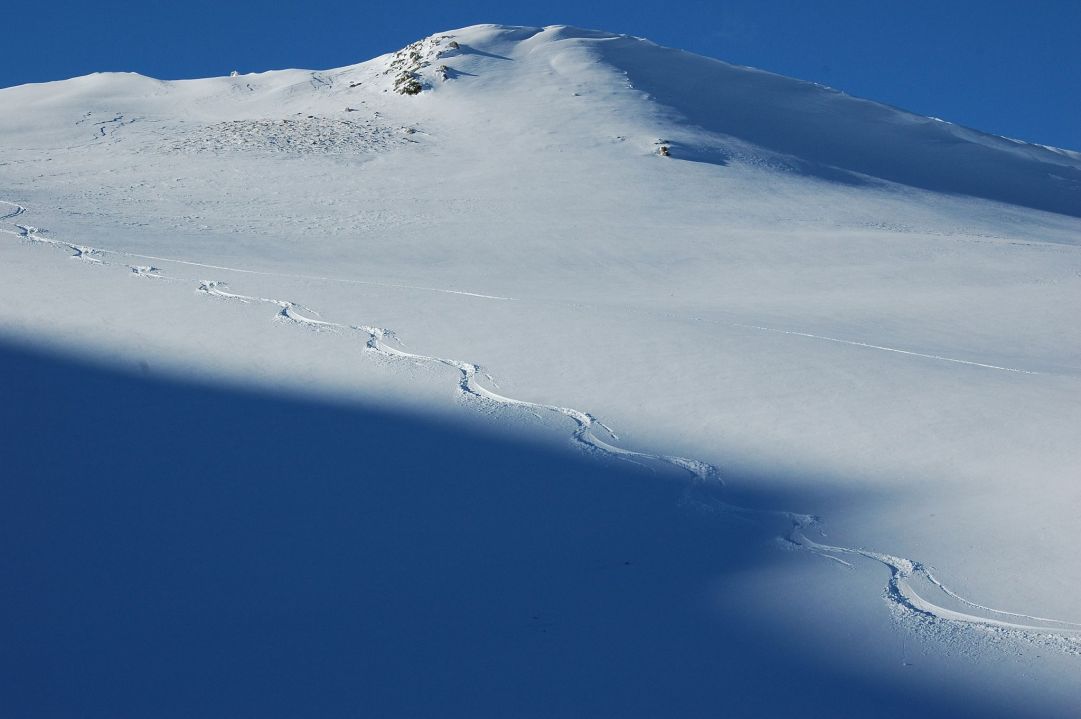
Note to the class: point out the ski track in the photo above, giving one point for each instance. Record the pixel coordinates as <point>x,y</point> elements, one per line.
<point>905,573</point>
<point>315,277</point>
<point>30,233</point>
<point>19,209</point>
<point>854,343</point>
<point>468,384</point>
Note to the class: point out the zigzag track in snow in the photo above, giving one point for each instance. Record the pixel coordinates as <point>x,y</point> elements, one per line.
<point>909,583</point>
<point>468,384</point>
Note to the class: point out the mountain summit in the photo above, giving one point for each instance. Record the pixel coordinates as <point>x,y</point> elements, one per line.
<point>573,88</point>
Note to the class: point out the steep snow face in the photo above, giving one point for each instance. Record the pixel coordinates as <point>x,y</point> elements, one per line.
<point>859,320</point>
<point>842,138</point>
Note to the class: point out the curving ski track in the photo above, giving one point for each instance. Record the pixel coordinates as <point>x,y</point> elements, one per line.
<point>905,574</point>
<point>18,210</point>
<point>468,384</point>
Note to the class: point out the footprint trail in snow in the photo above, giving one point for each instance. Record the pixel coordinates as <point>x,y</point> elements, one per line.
<point>910,581</point>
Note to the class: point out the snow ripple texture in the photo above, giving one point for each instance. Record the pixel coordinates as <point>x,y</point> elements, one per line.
<point>296,135</point>
<point>910,585</point>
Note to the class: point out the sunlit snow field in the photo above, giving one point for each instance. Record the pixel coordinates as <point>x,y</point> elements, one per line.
<point>324,398</point>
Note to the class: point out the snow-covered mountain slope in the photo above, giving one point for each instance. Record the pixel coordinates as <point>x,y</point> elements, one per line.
<point>710,110</point>
<point>856,320</point>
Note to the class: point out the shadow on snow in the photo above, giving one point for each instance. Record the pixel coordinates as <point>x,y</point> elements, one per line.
<point>177,549</point>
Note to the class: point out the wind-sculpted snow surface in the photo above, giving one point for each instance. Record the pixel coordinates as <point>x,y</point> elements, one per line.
<point>296,135</point>
<point>827,133</point>
<point>913,589</point>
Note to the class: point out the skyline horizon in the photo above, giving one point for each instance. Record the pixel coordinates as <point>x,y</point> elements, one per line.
<point>933,62</point>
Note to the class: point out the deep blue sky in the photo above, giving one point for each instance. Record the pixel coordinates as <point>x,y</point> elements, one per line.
<point>1008,67</point>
